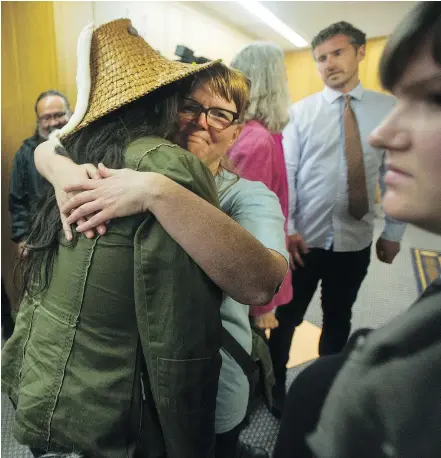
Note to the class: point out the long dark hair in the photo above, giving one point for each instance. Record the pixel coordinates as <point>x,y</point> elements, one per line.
<point>104,140</point>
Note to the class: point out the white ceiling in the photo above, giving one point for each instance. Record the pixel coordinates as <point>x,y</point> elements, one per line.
<point>375,18</point>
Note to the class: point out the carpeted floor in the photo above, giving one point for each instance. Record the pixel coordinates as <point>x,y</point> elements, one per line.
<point>10,447</point>
<point>386,292</point>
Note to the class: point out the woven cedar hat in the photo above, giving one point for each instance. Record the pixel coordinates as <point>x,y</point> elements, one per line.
<point>123,68</point>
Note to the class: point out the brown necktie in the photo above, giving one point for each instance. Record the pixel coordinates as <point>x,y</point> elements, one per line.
<point>357,192</point>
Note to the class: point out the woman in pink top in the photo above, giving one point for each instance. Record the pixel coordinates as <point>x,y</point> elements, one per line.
<point>258,153</point>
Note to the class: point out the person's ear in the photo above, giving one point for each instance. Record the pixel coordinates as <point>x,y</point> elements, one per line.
<point>236,134</point>
<point>361,53</point>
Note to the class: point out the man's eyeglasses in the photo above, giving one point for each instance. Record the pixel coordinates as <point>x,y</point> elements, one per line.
<point>55,116</point>
<point>218,118</point>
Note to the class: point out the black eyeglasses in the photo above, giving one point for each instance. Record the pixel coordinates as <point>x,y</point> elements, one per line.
<point>55,116</point>
<point>218,118</point>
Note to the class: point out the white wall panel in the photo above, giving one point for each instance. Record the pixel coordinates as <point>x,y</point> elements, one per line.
<point>167,24</point>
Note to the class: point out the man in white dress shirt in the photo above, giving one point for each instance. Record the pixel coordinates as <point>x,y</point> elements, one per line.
<point>332,176</point>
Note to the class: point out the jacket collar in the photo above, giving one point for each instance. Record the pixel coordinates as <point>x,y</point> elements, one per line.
<point>34,141</point>
<point>331,95</point>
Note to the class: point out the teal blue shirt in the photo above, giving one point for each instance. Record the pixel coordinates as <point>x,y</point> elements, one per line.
<point>257,209</point>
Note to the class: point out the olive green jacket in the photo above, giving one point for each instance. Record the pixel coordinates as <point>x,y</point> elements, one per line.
<point>119,356</point>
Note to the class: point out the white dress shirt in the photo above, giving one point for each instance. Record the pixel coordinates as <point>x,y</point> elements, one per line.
<point>314,148</point>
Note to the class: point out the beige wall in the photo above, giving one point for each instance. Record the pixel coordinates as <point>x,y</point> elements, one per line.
<point>162,24</point>
<point>38,53</point>
<point>69,19</point>
<point>28,47</point>
<point>165,24</point>
<point>304,79</point>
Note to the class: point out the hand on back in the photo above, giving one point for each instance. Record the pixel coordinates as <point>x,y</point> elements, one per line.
<point>115,194</point>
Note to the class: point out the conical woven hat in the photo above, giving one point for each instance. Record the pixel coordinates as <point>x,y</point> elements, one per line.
<point>123,68</point>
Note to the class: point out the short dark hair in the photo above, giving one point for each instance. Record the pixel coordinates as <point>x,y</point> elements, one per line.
<point>424,20</point>
<point>356,37</point>
<point>45,94</point>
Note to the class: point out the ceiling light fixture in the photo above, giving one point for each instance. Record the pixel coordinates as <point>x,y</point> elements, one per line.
<point>265,15</point>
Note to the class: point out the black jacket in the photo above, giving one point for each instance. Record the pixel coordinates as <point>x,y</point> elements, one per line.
<point>25,188</point>
<point>386,400</point>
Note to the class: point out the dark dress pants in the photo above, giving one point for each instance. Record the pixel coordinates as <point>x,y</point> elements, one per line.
<point>7,321</point>
<point>226,443</point>
<point>341,275</point>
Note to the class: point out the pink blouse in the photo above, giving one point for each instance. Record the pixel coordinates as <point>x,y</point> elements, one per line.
<point>258,156</point>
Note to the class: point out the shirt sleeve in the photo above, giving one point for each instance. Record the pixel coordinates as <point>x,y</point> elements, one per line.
<point>19,198</point>
<point>291,151</point>
<point>183,168</point>
<point>257,209</point>
<point>255,162</point>
<point>393,229</point>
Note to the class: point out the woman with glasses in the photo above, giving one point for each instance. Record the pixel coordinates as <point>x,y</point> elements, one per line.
<point>248,269</point>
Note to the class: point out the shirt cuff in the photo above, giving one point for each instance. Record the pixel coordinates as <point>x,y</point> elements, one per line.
<point>393,229</point>
<point>257,310</point>
<point>291,229</point>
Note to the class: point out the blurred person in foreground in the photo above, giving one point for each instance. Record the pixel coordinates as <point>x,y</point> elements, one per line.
<point>380,398</point>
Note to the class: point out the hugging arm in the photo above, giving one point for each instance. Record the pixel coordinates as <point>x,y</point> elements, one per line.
<point>235,260</point>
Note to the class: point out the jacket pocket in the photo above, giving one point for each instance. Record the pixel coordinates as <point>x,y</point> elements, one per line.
<point>188,385</point>
<point>42,373</point>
